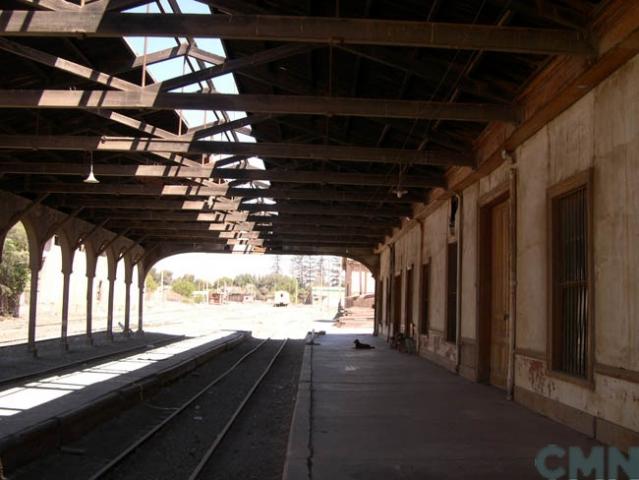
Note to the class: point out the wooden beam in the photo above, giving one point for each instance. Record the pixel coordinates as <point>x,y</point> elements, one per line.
<point>297,240</point>
<point>217,127</point>
<point>220,204</point>
<point>175,226</point>
<point>222,218</point>
<point>321,221</point>
<point>224,205</point>
<point>374,197</point>
<point>232,65</point>
<point>318,209</point>
<point>340,153</point>
<point>357,237</point>
<point>277,104</point>
<point>297,29</point>
<point>160,171</point>
<point>60,5</point>
<point>67,66</point>
<point>128,189</point>
<point>431,70</point>
<point>322,232</point>
<point>192,233</point>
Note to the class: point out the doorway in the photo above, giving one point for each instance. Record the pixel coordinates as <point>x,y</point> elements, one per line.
<point>494,291</point>
<point>408,310</point>
<point>397,303</point>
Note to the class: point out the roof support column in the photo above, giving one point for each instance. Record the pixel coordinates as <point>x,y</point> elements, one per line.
<point>109,331</point>
<point>33,307</point>
<point>66,281</point>
<point>141,307</point>
<point>91,263</point>
<point>89,311</point>
<point>68,250</point>
<point>127,307</point>
<point>378,307</point>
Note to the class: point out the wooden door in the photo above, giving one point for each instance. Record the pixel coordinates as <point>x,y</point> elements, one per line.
<point>499,294</point>
<point>408,311</point>
<point>397,303</point>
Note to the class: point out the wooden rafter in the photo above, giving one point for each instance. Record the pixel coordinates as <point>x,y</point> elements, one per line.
<point>298,29</point>
<point>275,150</point>
<point>278,104</point>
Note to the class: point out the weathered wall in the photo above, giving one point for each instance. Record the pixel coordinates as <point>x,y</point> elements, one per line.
<point>601,132</point>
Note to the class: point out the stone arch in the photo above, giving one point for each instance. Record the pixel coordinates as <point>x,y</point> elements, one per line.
<point>10,300</point>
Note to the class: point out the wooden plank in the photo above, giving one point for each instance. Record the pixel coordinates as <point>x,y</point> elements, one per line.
<point>322,221</point>
<point>318,209</point>
<point>221,204</point>
<point>298,29</point>
<point>232,65</point>
<point>373,197</point>
<point>216,128</point>
<point>67,66</point>
<point>312,177</point>
<point>274,150</point>
<point>277,104</point>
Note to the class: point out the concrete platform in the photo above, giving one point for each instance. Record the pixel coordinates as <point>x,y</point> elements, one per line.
<point>17,362</point>
<point>381,414</point>
<point>44,414</point>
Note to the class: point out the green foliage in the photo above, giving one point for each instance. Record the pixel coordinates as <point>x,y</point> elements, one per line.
<point>244,279</point>
<point>223,281</point>
<point>150,284</point>
<point>14,270</point>
<point>184,286</point>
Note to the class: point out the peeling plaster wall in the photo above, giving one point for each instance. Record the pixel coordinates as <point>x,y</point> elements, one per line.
<point>601,131</point>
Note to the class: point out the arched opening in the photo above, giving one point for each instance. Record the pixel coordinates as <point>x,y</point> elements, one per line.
<point>120,294</point>
<point>205,291</point>
<point>77,293</point>
<point>14,286</point>
<point>100,294</point>
<point>50,289</point>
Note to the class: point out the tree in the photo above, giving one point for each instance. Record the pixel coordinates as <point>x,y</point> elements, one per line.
<point>184,285</point>
<point>222,282</point>
<point>150,284</point>
<point>14,270</point>
<point>243,279</point>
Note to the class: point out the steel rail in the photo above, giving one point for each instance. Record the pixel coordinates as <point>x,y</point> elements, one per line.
<point>144,438</point>
<point>218,440</point>
<point>86,362</point>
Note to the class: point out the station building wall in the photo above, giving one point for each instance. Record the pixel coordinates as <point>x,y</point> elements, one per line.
<point>599,134</point>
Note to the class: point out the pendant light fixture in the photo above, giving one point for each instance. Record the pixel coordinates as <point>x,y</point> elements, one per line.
<point>91,177</point>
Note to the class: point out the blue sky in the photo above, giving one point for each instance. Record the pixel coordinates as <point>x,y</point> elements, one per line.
<point>205,266</point>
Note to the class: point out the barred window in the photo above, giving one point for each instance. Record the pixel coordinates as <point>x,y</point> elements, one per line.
<point>451,294</point>
<point>570,278</point>
<point>425,321</point>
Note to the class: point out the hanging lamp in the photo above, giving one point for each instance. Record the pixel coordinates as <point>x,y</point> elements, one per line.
<point>91,177</point>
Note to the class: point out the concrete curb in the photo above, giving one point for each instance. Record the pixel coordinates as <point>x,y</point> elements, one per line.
<point>8,381</point>
<point>298,450</point>
<point>36,440</point>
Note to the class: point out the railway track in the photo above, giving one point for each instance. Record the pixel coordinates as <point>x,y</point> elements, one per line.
<point>176,432</point>
<point>107,471</point>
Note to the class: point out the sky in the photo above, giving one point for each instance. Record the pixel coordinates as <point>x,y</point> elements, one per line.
<point>205,266</point>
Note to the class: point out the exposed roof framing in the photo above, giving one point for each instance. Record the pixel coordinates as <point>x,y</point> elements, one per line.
<point>282,104</point>
<point>346,31</point>
<point>358,109</point>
